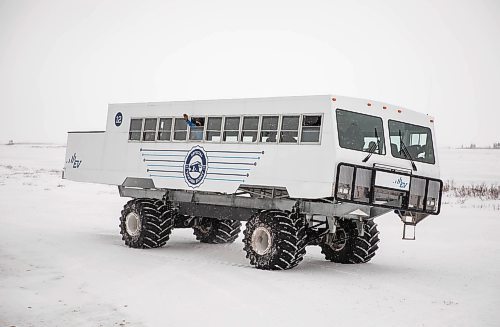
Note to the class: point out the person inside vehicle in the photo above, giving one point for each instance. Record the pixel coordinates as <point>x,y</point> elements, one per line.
<point>196,126</point>
<point>371,146</point>
<point>353,137</point>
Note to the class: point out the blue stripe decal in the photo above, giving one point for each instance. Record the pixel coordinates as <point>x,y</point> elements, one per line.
<point>162,160</point>
<point>162,155</point>
<point>164,150</point>
<point>166,176</point>
<point>233,163</point>
<point>225,180</point>
<point>249,152</point>
<point>211,151</point>
<point>223,174</point>
<point>174,166</point>
<point>220,168</point>
<point>166,171</point>
<point>233,157</point>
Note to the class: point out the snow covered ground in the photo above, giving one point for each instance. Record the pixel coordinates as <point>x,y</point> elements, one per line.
<point>467,166</point>
<point>62,263</point>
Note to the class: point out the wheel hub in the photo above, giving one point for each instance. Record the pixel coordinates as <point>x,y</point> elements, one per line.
<point>204,226</point>
<point>133,224</point>
<point>340,240</point>
<point>261,240</point>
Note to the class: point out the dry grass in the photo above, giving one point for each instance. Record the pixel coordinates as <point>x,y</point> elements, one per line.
<point>482,191</point>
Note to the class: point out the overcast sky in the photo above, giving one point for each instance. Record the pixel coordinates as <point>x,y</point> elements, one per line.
<point>62,62</point>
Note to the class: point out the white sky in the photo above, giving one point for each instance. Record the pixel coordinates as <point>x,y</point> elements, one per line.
<point>62,62</point>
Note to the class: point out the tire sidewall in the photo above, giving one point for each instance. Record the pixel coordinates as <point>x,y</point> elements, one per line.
<point>133,241</point>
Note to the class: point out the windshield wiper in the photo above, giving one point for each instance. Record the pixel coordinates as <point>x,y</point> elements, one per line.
<point>373,147</point>
<point>406,152</point>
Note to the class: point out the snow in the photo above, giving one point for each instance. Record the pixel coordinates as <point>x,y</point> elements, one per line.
<point>62,263</point>
<point>470,166</point>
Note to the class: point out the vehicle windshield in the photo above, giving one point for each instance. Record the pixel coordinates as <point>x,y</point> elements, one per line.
<point>360,132</point>
<point>417,139</point>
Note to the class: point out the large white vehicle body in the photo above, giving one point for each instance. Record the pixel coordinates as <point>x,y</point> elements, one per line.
<point>306,170</point>
<point>331,156</point>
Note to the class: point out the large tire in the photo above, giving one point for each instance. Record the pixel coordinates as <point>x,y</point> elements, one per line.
<point>216,231</point>
<point>350,247</point>
<point>275,240</point>
<point>146,223</point>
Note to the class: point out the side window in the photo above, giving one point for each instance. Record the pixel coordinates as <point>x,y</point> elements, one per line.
<point>250,129</point>
<point>214,125</point>
<point>231,129</point>
<point>196,132</point>
<point>165,129</point>
<point>149,132</point>
<point>311,125</point>
<point>269,129</point>
<point>289,129</point>
<point>180,129</point>
<point>134,133</point>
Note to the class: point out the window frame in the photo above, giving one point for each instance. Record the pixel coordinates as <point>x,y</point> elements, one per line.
<point>239,131</point>
<point>320,128</point>
<point>414,159</point>
<point>206,130</point>
<point>289,130</point>
<point>382,137</point>
<point>261,119</point>
<point>240,140</point>
<point>142,128</point>
<point>149,130</point>
<point>203,132</point>
<point>171,129</point>
<point>240,122</point>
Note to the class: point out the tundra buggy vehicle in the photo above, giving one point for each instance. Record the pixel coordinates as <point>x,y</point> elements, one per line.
<point>306,170</point>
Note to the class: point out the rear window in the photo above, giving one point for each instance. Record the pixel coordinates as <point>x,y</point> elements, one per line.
<point>360,132</point>
<point>417,139</point>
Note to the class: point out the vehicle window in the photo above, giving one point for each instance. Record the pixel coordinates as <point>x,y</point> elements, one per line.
<point>149,132</point>
<point>180,129</point>
<point>311,125</point>
<point>196,132</point>
<point>134,133</point>
<point>214,125</point>
<point>231,129</point>
<point>289,129</point>
<point>360,132</point>
<point>164,129</point>
<point>250,129</point>
<point>417,139</point>
<point>269,129</point>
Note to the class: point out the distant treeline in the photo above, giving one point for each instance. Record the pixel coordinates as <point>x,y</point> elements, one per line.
<point>474,146</point>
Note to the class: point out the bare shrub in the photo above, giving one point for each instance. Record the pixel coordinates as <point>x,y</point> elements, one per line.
<point>483,191</point>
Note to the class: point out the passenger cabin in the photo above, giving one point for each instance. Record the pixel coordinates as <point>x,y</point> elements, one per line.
<point>308,147</point>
